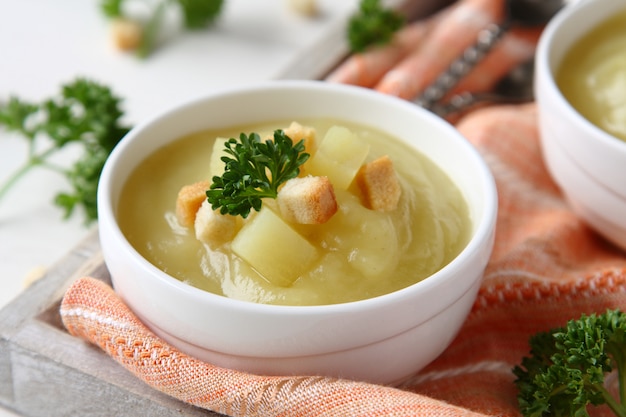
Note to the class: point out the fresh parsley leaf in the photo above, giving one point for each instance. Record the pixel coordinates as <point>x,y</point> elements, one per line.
<point>111,8</point>
<point>200,13</point>
<point>151,31</point>
<point>196,14</point>
<point>16,114</point>
<point>85,113</point>
<point>372,25</point>
<point>566,369</point>
<point>253,171</point>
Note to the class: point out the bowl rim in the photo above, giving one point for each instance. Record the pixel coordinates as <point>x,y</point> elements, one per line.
<point>483,228</point>
<point>545,67</point>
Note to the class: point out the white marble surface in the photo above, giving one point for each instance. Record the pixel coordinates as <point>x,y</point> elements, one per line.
<point>44,43</point>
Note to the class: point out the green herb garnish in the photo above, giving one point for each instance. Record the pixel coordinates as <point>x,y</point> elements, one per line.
<point>255,171</point>
<point>372,25</point>
<point>567,367</point>
<point>200,13</point>
<point>196,14</point>
<point>85,113</point>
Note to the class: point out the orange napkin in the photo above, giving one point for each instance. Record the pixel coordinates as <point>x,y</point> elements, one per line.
<point>547,267</point>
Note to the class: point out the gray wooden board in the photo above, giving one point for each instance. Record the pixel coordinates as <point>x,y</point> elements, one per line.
<point>44,371</point>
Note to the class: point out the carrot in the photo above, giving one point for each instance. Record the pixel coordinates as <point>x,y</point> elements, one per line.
<point>515,48</point>
<point>367,68</point>
<point>452,35</point>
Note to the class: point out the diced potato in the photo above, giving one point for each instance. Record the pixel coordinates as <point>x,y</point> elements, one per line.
<point>369,236</point>
<point>339,157</point>
<point>216,165</point>
<point>273,248</point>
<point>378,247</point>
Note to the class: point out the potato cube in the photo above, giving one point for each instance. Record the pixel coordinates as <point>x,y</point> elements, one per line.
<point>216,165</point>
<point>376,244</point>
<point>339,157</point>
<point>369,236</point>
<point>273,248</point>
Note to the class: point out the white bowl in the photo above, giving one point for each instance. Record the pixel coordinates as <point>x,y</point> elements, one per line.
<point>600,207</point>
<point>383,339</point>
<point>598,158</point>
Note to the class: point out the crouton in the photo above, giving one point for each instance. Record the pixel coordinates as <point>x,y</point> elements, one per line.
<point>379,184</point>
<point>214,228</point>
<point>297,132</point>
<point>304,7</point>
<point>307,200</point>
<point>126,34</point>
<point>190,197</point>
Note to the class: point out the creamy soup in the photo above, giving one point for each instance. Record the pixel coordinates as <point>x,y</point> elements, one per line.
<point>361,253</point>
<point>592,76</point>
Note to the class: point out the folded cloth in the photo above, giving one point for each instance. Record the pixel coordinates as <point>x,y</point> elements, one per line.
<point>547,267</point>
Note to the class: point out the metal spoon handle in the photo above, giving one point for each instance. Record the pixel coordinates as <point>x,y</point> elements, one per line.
<point>486,40</point>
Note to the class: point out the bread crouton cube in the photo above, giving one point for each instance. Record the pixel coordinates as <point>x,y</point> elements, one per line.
<point>189,200</point>
<point>307,200</point>
<point>307,8</point>
<point>379,184</point>
<point>297,132</point>
<point>214,228</point>
<point>126,34</point>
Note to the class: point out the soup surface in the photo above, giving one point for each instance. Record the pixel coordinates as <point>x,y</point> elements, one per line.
<point>592,76</point>
<point>362,253</point>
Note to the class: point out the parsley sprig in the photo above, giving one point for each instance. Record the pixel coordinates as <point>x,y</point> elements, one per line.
<point>254,170</point>
<point>85,113</point>
<point>196,14</point>
<point>567,367</point>
<point>372,25</point>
